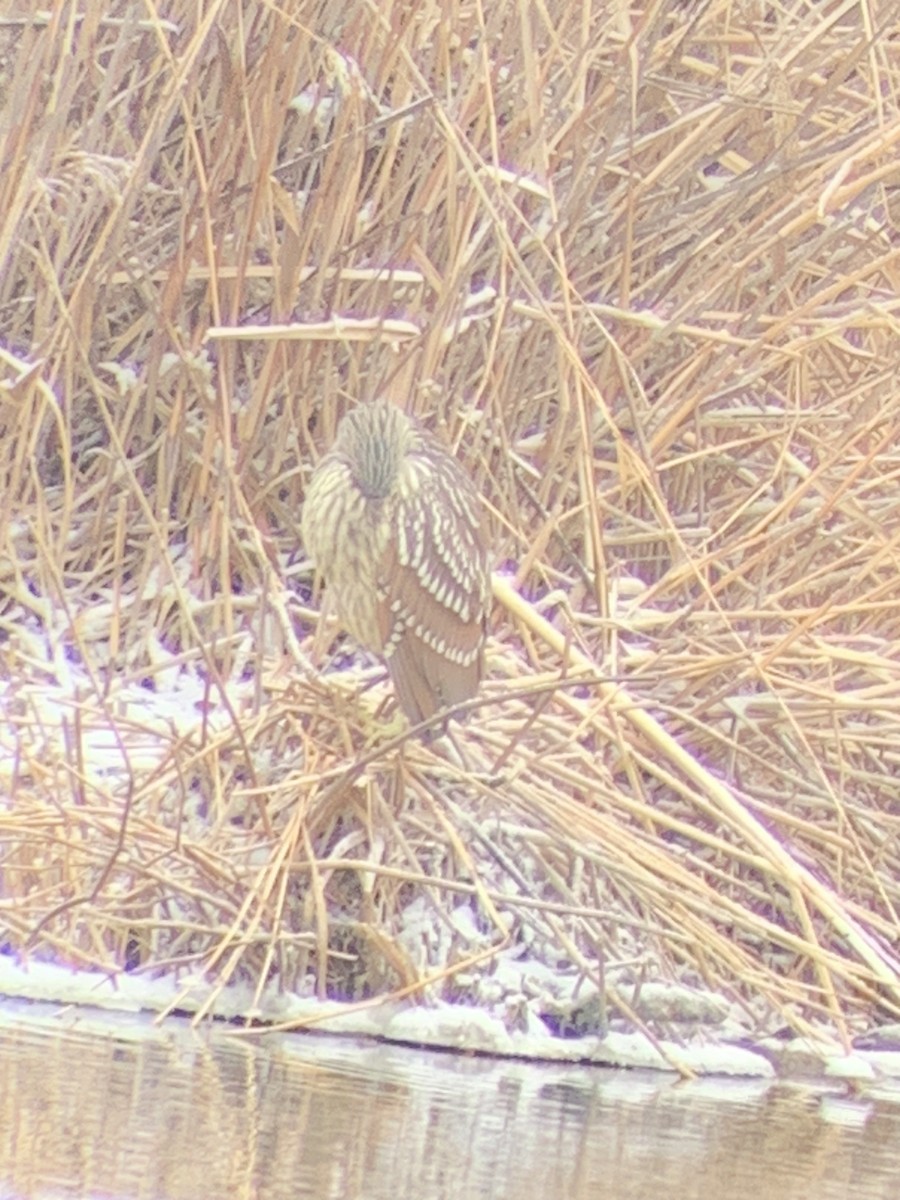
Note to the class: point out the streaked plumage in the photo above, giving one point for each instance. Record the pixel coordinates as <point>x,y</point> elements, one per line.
<point>394,525</point>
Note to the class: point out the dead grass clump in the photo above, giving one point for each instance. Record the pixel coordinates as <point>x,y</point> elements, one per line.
<point>641,271</point>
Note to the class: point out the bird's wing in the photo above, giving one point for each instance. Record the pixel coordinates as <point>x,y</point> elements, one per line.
<point>433,586</point>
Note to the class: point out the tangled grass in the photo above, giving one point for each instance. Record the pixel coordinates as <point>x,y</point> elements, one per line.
<point>639,267</point>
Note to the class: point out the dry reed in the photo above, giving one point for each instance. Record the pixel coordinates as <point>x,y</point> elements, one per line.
<point>640,268</point>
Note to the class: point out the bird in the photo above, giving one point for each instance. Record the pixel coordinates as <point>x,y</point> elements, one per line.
<point>395,527</point>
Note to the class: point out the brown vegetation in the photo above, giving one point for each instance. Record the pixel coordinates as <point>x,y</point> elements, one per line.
<point>640,269</point>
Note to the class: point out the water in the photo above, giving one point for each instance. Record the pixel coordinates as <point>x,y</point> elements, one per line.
<point>113,1107</point>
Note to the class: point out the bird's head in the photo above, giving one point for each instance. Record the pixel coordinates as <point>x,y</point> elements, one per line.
<point>375,437</point>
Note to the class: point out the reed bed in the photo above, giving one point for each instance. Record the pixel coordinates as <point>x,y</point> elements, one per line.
<point>639,268</point>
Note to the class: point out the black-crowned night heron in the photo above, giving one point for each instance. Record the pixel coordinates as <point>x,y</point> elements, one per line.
<point>394,525</point>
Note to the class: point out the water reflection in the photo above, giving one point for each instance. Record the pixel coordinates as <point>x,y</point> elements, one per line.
<point>175,1113</point>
